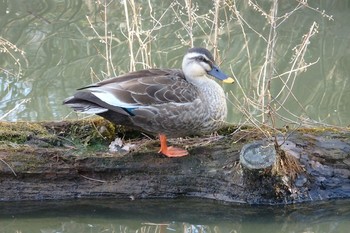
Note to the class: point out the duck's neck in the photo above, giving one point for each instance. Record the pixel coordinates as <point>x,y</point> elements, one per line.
<point>211,91</point>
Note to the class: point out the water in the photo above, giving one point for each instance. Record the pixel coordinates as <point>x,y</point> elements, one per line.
<point>159,216</point>
<point>62,52</point>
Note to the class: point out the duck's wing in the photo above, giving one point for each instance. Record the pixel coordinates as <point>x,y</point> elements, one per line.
<point>134,90</point>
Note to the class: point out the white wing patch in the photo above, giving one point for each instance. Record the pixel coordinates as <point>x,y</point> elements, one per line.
<point>110,99</point>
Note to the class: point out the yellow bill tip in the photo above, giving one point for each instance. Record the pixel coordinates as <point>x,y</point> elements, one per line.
<point>228,80</point>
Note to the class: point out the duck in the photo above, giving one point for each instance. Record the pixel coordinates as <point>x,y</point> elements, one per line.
<point>165,102</point>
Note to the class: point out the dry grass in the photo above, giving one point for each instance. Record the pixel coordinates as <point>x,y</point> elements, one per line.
<point>15,56</point>
<point>261,108</point>
<point>255,101</point>
<point>287,165</point>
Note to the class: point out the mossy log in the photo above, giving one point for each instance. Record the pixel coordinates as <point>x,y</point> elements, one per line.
<point>65,160</point>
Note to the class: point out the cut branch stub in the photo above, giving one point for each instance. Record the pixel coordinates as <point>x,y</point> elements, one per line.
<point>257,158</point>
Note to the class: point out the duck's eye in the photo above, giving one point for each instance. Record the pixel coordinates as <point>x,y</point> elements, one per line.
<point>202,59</point>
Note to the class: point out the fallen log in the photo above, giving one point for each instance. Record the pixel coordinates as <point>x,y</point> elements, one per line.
<point>71,159</point>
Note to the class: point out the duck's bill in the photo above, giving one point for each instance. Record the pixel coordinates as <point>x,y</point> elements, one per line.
<point>217,73</point>
<point>228,80</point>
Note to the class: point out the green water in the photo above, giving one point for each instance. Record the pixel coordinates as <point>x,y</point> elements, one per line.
<point>160,216</point>
<point>63,52</point>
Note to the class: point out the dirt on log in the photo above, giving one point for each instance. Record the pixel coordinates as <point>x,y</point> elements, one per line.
<point>66,160</point>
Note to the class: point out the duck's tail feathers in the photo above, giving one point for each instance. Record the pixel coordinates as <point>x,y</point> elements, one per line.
<point>83,106</point>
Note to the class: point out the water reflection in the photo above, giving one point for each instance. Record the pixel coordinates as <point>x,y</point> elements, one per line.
<point>166,216</point>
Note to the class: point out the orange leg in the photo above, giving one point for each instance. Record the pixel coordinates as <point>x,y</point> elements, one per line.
<point>170,151</point>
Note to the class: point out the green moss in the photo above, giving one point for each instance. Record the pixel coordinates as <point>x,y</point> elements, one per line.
<point>227,129</point>
<point>21,132</point>
<point>318,130</point>
<point>81,134</point>
<point>90,135</point>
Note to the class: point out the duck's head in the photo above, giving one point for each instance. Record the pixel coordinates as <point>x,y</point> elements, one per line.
<point>198,62</point>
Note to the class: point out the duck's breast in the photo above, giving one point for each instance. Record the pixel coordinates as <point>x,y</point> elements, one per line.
<point>204,114</point>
